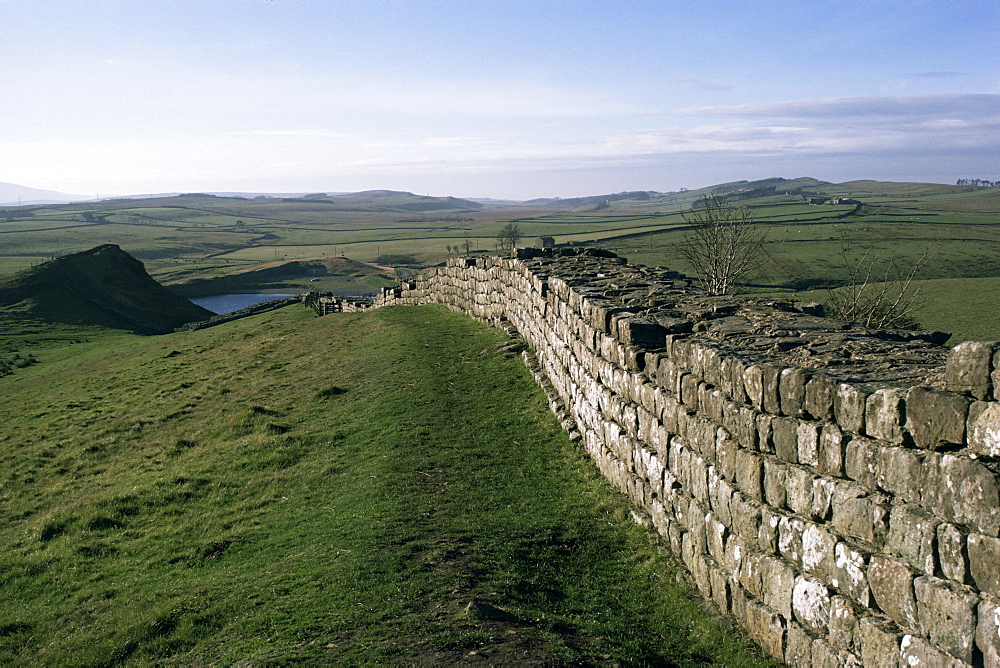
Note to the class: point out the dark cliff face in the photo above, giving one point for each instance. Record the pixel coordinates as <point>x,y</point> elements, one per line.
<point>103,286</point>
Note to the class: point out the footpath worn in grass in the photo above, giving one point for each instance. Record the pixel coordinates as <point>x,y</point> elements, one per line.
<point>356,489</point>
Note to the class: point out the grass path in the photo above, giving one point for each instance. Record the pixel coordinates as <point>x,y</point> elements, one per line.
<point>358,489</point>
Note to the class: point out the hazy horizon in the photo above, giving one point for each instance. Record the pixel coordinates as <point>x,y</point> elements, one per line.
<point>512,100</point>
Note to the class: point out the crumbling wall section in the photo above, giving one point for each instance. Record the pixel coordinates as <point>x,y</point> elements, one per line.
<point>833,489</point>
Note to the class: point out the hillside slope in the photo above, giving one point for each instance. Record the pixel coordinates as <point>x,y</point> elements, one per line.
<point>103,286</point>
<point>360,489</point>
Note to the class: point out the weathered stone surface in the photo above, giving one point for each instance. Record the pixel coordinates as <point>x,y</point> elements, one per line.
<point>843,624</point>
<point>771,399</point>
<point>969,367</point>
<point>891,583</point>
<point>807,443</point>
<point>811,604</point>
<point>766,628</point>
<point>798,648</point>
<point>947,615</point>
<point>984,428</point>
<point>984,563</point>
<point>951,554</point>
<point>850,574</point>
<point>935,418</point>
<point>818,556</point>
<point>777,582</point>
<point>820,391</point>
<point>884,414</point>
<point>849,407</point>
<point>880,642</point>
<point>915,651</point>
<point>860,461</point>
<point>774,482</point>
<point>831,450</point>
<point>749,474</point>
<point>792,389</point>
<point>967,492</point>
<point>784,432</point>
<point>901,471</point>
<point>911,537</point>
<point>988,632</point>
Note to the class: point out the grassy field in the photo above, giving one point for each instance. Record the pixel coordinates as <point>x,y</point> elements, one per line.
<point>185,237</point>
<point>355,489</point>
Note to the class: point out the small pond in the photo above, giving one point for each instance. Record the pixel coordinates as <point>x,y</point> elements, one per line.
<point>234,302</point>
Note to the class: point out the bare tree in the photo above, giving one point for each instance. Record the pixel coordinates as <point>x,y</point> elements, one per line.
<point>508,236</point>
<point>879,292</point>
<point>724,245</point>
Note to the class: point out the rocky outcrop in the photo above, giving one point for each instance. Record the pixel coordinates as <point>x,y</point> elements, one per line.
<point>832,488</point>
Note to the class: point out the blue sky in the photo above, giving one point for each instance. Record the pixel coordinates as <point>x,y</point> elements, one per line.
<point>493,99</point>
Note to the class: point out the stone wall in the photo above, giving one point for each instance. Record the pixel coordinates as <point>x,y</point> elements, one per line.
<point>833,489</point>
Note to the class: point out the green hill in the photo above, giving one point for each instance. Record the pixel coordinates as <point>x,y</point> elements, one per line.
<point>104,286</point>
<point>361,489</point>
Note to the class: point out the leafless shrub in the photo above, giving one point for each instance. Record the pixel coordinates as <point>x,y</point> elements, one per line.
<point>724,245</point>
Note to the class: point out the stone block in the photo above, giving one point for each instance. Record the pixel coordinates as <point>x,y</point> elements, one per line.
<point>748,567</point>
<point>818,556</point>
<point>807,440</point>
<point>912,535</point>
<point>850,574</point>
<point>798,646</point>
<point>774,482</point>
<point>915,651</point>
<point>861,460</point>
<point>891,583</point>
<point>967,492</point>
<point>790,530</point>
<point>885,413</point>
<point>831,450</point>
<point>766,628</point>
<point>843,632</point>
<point>935,418</point>
<point>765,442</point>
<point>749,474</point>
<point>901,471</point>
<point>720,497</point>
<point>771,399</point>
<point>777,584</point>
<point>811,605</point>
<point>732,378</point>
<point>798,490</point>
<point>951,555</point>
<point>984,428</point>
<point>640,332</point>
<point>746,517</point>
<point>785,437</point>
<point>880,642</point>
<point>947,615</point>
<point>767,536</point>
<point>819,394</point>
<point>822,498</point>
<point>849,407</point>
<point>853,512</point>
<point>984,563</point>
<point>969,368</point>
<point>710,399</point>
<point>720,589</point>
<point>824,655</point>
<point>726,448</point>
<point>988,632</point>
<point>753,385</point>
<point>792,388</point>
<point>689,391</point>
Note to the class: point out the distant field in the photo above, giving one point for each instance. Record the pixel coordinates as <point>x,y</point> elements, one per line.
<point>188,236</point>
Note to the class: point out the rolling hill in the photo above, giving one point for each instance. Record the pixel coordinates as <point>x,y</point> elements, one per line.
<point>104,286</point>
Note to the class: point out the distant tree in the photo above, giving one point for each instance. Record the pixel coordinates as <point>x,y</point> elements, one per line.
<point>240,223</point>
<point>724,244</point>
<point>509,236</point>
<point>468,246</point>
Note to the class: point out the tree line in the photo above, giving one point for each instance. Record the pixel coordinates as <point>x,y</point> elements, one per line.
<point>978,182</point>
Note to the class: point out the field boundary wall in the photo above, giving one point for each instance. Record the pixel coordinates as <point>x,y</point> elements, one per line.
<point>833,489</point>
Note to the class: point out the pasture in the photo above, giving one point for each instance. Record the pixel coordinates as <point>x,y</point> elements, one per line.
<point>810,246</point>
